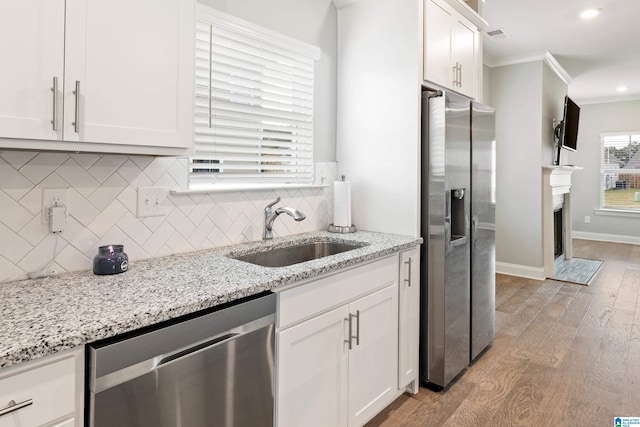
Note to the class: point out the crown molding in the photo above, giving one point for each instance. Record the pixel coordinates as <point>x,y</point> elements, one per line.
<point>609,99</point>
<point>553,63</point>
<point>546,57</point>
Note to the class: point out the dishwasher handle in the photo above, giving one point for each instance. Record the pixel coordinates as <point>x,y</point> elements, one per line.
<point>203,346</point>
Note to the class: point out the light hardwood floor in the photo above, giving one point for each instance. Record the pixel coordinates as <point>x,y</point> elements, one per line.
<point>564,354</point>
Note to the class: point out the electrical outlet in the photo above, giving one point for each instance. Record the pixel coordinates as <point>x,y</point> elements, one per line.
<point>151,201</point>
<point>53,197</point>
<point>587,219</point>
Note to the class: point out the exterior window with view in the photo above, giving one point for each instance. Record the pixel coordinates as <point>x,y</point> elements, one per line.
<point>620,184</point>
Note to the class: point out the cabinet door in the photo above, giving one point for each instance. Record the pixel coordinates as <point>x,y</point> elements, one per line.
<point>32,52</point>
<point>48,389</point>
<point>133,62</point>
<point>437,43</point>
<point>409,319</point>
<point>373,361</point>
<point>313,372</point>
<point>465,39</point>
<point>67,423</point>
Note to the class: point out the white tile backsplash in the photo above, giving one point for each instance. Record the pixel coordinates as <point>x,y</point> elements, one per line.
<point>103,203</point>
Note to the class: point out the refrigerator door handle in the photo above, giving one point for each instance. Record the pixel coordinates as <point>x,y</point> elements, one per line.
<point>474,230</point>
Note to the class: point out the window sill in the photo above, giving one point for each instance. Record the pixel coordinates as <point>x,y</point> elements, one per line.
<point>232,188</point>
<point>629,213</point>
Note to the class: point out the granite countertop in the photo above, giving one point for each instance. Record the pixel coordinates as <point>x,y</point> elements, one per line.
<point>44,316</point>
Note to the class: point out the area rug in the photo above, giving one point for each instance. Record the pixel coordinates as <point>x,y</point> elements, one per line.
<point>576,270</point>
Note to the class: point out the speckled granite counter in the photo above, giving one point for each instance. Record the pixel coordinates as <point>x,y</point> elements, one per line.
<point>44,316</point>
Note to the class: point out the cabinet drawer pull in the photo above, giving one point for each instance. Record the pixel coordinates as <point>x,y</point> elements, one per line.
<point>455,74</point>
<point>76,122</point>
<point>54,89</point>
<point>13,406</point>
<point>408,279</point>
<point>460,75</point>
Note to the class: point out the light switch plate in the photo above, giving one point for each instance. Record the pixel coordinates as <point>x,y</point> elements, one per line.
<point>151,201</point>
<point>49,198</point>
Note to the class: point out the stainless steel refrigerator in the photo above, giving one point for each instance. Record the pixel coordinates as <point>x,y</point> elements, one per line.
<point>457,225</point>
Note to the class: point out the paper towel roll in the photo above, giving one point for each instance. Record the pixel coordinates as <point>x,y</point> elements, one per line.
<point>342,203</point>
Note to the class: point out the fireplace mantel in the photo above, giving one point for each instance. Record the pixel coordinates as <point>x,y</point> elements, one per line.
<point>556,180</point>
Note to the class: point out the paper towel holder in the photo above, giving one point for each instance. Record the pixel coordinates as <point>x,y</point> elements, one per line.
<point>342,229</point>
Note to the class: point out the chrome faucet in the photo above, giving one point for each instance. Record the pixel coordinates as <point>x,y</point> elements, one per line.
<point>270,216</point>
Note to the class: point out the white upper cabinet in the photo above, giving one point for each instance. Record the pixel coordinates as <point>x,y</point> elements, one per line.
<point>451,49</point>
<point>32,52</point>
<point>127,81</point>
<point>134,64</point>
<point>465,52</point>
<point>437,43</point>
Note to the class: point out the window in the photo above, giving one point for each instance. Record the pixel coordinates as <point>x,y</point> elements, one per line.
<point>620,184</point>
<point>253,104</point>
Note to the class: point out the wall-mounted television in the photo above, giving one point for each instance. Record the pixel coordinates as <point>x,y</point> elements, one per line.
<point>567,131</point>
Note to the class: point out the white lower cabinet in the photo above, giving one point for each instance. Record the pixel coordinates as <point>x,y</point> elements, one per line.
<point>373,379</point>
<point>45,392</point>
<point>68,423</point>
<point>338,359</point>
<point>313,372</point>
<point>409,320</point>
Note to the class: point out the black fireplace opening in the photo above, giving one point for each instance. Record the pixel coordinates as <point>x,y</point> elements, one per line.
<point>558,235</point>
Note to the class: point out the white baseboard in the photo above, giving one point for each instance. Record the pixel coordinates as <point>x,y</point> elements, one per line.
<point>526,271</point>
<point>602,237</point>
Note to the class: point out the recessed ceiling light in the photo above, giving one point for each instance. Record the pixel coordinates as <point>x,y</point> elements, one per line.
<point>590,13</point>
<point>622,88</point>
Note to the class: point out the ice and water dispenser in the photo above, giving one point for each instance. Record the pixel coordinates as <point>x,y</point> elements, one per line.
<point>458,217</point>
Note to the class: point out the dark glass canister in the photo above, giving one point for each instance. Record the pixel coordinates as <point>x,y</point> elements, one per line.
<point>111,259</point>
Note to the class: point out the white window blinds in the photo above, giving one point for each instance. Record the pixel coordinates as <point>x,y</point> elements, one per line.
<point>253,103</point>
<point>620,171</point>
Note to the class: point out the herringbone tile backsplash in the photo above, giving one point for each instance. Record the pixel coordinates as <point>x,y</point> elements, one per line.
<point>103,204</point>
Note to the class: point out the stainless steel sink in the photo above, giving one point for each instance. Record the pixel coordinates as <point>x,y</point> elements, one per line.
<point>289,255</point>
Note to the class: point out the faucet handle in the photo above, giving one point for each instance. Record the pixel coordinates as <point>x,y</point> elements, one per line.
<point>270,205</point>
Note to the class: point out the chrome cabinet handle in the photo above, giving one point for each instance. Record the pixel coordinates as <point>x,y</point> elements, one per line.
<point>408,279</point>
<point>54,89</point>
<point>357,316</point>
<point>457,74</point>
<point>350,331</point>
<point>76,123</point>
<point>357,335</point>
<point>13,406</point>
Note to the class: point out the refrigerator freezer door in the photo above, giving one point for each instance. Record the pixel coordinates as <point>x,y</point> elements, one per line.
<point>446,174</point>
<point>483,228</point>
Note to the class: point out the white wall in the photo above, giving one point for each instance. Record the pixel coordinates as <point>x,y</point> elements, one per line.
<point>313,22</point>
<point>594,120</point>
<point>554,90</point>
<point>486,85</point>
<point>379,102</point>
<point>526,97</point>
<point>516,93</point>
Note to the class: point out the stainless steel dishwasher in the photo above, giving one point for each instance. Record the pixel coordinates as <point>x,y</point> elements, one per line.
<point>213,369</point>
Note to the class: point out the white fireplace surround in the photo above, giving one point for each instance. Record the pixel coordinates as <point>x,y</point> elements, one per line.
<point>556,181</point>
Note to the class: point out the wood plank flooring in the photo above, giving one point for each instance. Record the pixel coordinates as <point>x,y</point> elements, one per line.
<point>564,354</point>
